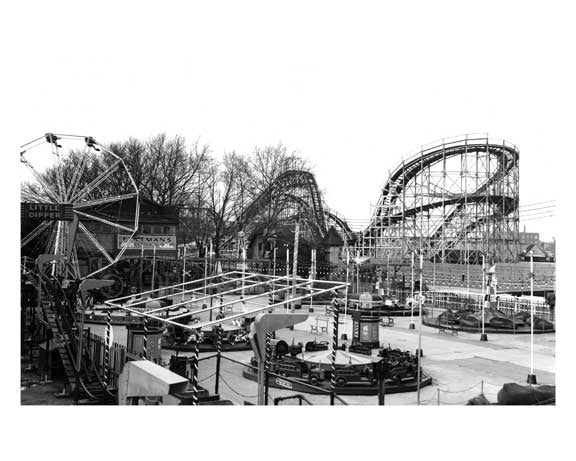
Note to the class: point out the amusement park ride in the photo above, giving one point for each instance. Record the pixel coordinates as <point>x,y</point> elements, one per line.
<point>423,208</point>
<point>67,193</point>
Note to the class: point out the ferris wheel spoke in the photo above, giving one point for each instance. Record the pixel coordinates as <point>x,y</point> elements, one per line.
<point>76,176</point>
<point>39,178</point>
<point>50,247</point>
<point>102,201</point>
<point>95,242</point>
<point>75,265</point>
<point>57,246</point>
<point>35,233</point>
<point>53,141</point>
<point>104,221</point>
<point>32,196</point>
<point>97,181</point>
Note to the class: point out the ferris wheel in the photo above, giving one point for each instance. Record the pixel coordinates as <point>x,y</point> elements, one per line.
<point>79,202</point>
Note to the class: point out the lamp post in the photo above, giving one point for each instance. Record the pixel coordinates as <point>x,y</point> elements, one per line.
<point>419,351</point>
<point>486,289</point>
<point>273,243</point>
<point>387,274</point>
<point>295,261</point>
<point>531,377</point>
<point>434,272</point>
<point>411,326</point>
<point>287,294</point>
<point>358,272</point>
<point>183,272</point>
<point>347,273</point>
<point>210,256</point>
<point>153,266</point>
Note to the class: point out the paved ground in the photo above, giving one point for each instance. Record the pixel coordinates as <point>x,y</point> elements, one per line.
<point>461,366</point>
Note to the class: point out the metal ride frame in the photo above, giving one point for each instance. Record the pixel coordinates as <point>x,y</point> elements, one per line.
<point>69,189</point>
<point>246,280</point>
<point>453,200</point>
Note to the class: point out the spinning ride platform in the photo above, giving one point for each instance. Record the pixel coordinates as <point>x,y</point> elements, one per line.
<point>310,372</point>
<point>495,322</point>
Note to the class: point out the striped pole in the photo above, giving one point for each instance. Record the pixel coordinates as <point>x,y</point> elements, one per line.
<point>334,349</point>
<point>145,340</point>
<point>218,347</point>
<point>267,364</point>
<point>195,368</point>
<point>107,348</point>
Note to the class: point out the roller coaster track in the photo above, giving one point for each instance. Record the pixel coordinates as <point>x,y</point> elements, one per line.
<point>494,193</point>
<point>298,190</point>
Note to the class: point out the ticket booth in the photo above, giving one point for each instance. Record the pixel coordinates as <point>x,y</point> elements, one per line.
<point>135,341</point>
<point>365,329</point>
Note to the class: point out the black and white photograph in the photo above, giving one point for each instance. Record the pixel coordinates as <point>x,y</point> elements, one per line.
<point>289,204</point>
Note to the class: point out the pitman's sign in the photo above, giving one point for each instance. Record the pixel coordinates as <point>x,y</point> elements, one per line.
<point>148,242</point>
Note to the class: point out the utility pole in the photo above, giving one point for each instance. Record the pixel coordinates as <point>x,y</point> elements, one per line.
<point>295,260</point>
<point>531,377</point>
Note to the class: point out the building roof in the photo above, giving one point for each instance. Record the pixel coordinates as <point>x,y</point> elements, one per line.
<point>150,212</point>
<point>332,238</point>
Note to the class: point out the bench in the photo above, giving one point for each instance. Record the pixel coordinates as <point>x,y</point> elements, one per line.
<point>320,326</point>
<point>388,322</point>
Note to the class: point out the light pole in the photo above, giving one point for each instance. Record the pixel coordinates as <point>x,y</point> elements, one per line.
<point>346,292</point>
<point>434,272</point>
<point>153,266</point>
<point>387,274</point>
<point>210,256</point>
<point>419,351</point>
<point>295,261</point>
<point>411,326</point>
<point>183,272</point>
<point>486,289</point>
<point>273,242</point>
<point>531,377</point>
<point>358,272</point>
<point>287,294</point>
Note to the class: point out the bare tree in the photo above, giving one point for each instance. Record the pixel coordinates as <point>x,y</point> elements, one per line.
<point>163,168</point>
<point>171,169</point>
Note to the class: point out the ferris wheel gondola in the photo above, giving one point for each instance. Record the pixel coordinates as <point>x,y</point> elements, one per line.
<point>73,199</point>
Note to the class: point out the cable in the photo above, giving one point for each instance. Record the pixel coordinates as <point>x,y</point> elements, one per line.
<point>542,217</point>
<point>461,390</point>
<point>236,392</point>
<point>207,377</point>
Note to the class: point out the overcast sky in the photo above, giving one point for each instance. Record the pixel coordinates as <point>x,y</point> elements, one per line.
<point>352,89</point>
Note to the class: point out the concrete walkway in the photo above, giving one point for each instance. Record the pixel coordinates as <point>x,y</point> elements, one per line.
<point>461,366</point>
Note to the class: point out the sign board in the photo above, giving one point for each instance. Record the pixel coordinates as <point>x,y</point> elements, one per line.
<point>283,383</point>
<point>47,211</point>
<point>148,242</point>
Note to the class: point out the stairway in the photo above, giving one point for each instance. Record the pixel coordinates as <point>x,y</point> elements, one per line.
<point>64,328</point>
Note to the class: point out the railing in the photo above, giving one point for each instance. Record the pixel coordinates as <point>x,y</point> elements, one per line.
<point>299,397</point>
<point>96,349</point>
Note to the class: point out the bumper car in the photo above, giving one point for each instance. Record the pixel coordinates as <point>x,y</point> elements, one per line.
<point>448,318</point>
<point>471,320</point>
